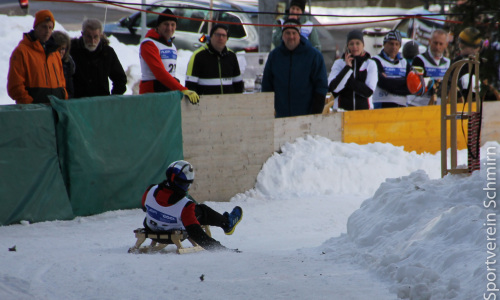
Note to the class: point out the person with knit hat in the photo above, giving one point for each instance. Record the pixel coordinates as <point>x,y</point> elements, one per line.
<point>410,50</point>
<point>353,77</point>
<point>96,63</point>
<point>296,73</point>
<point>158,56</point>
<point>469,44</point>
<point>392,69</point>
<point>35,70</point>
<point>414,78</point>
<point>470,37</point>
<point>214,68</point>
<point>296,11</point>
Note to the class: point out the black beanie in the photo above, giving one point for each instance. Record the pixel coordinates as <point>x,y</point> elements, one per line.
<point>410,50</point>
<point>291,24</point>
<point>162,18</point>
<point>355,35</point>
<point>299,3</point>
<point>392,35</point>
<point>217,26</point>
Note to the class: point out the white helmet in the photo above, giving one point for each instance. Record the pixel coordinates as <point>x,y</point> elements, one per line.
<point>181,174</point>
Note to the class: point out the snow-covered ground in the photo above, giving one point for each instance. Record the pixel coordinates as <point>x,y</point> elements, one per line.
<point>325,220</point>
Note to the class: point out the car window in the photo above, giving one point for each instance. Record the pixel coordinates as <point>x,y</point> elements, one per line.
<point>235,30</point>
<point>187,24</point>
<point>150,18</point>
<point>403,27</point>
<point>182,24</point>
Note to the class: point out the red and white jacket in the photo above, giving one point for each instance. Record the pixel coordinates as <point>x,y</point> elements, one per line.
<point>158,63</point>
<point>164,212</point>
<point>159,215</point>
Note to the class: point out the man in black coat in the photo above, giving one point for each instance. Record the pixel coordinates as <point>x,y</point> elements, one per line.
<point>95,62</point>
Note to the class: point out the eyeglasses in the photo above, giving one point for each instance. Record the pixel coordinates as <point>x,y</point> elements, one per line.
<point>220,35</point>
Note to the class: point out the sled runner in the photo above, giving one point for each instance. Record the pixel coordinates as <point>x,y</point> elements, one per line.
<point>161,240</point>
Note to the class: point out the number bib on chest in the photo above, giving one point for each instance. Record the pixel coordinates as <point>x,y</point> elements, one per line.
<point>168,56</point>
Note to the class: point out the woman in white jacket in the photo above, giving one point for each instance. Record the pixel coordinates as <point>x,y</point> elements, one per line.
<point>354,77</point>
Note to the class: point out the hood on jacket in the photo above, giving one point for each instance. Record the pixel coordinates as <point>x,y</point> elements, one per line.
<point>387,58</point>
<point>30,40</point>
<point>211,49</point>
<point>153,34</point>
<point>359,58</point>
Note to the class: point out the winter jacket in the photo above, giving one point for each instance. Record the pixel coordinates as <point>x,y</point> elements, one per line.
<point>158,63</point>
<point>69,71</point>
<point>354,86</point>
<point>94,69</point>
<point>466,80</point>
<point>171,208</point>
<point>391,85</point>
<point>35,72</point>
<point>297,78</point>
<point>309,32</point>
<point>210,72</point>
<point>433,69</point>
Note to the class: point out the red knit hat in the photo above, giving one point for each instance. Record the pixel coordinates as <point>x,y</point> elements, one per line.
<point>42,16</point>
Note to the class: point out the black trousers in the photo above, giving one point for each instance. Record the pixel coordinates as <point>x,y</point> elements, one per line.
<point>208,216</point>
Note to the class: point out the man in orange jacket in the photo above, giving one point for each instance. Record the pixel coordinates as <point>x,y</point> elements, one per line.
<point>35,69</point>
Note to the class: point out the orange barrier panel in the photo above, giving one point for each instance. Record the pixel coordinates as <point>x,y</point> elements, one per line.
<point>415,128</point>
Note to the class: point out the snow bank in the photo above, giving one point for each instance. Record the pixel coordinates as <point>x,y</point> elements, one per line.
<point>338,168</point>
<point>429,237</point>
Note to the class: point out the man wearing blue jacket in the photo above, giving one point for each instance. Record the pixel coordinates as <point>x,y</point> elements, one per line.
<point>296,73</point>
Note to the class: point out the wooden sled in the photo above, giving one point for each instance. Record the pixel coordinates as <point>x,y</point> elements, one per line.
<point>161,240</point>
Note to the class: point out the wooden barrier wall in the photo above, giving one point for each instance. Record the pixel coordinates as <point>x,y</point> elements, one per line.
<point>289,129</point>
<point>490,127</point>
<point>228,138</point>
<point>415,128</point>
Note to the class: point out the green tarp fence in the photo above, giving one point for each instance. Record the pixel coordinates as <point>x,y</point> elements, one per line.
<point>111,148</point>
<point>31,185</point>
<point>102,155</point>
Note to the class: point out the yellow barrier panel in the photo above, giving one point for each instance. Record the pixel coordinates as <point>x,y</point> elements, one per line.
<point>415,128</point>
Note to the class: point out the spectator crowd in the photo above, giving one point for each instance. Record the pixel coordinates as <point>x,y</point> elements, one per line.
<point>48,62</point>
